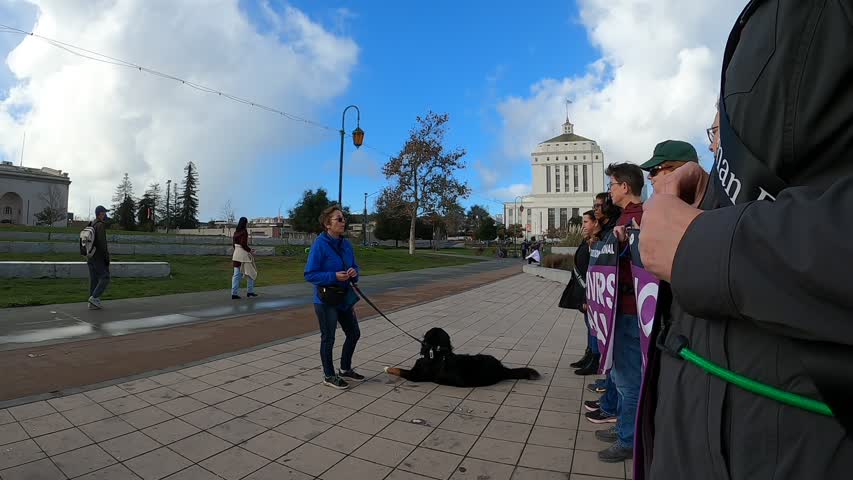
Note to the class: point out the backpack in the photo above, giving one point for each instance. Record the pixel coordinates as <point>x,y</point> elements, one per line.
<point>87,241</point>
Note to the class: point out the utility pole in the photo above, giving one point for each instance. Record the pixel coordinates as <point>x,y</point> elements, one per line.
<point>168,212</point>
<point>364,222</point>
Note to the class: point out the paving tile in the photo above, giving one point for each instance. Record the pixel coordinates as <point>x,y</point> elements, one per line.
<point>157,464</point>
<point>129,446</point>
<point>207,417</point>
<point>521,400</point>
<point>113,472</point>
<point>169,378</point>
<point>327,412</point>
<point>431,416</point>
<point>276,471</point>
<point>146,417</point>
<point>194,472</point>
<point>241,386</point>
<point>159,395</point>
<point>510,431</point>
<point>405,432</point>
<point>373,388</point>
<point>365,422</point>
<point>439,402</point>
<point>271,444</point>
<point>404,395</point>
<point>303,428</point>
<point>548,458</point>
<point>181,406</point>
<point>553,437</point>
<point>530,389</point>
<point>478,409</point>
<point>341,439</point>
<point>138,386</point>
<point>431,463</point>
<point>352,467</point>
<point>490,396</point>
<point>269,416</point>
<point>449,441</point>
<point>386,408</point>
<point>292,385</point>
<point>190,387</point>
<point>106,429</point>
<point>39,470</point>
<point>213,395</point>
<point>562,405</point>
<point>124,404</point>
<point>465,424</point>
<point>383,451</point>
<point>496,450</point>
<point>311,459</point>
<point>267,395</point>
<point>557,419</point>
<point>200,446</point>
<point>350,399</point>
<point>82,461</point>
<point>297,403</point>
<point>70,402</point>
<point>14,454</point>
<point>6,417</point>
<point>170,431</point>
<point>516,414</point>
<point>563,392</point>
<point>474,469</point>
<point>237,430</point>
<point>457,392</point>
<point>63,441</point>
<point>197,371</point>
<point>88,414</point>
<point>31,410</point>
<point>234,463</point>
<point>524,473</point>
<point>587,463</point>
<point>404,475</point>
<point>11,433</point>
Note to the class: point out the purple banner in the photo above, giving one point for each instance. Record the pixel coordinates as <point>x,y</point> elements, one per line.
<point>601,296</point>
<point>646,287</point>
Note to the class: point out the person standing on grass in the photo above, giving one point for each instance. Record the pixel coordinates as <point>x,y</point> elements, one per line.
<point>331,267</point>
<point>243,261</point>
<point>98,260</point>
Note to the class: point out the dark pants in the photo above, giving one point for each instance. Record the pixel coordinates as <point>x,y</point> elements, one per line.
<point>99,277</point>
<point>329,316</point>
<point>626,375</point>
<point>591,340</point>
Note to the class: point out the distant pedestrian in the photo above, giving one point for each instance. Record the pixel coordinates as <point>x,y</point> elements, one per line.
<point>331,267</point>
<point>243,261</point>
<point>93,243</point>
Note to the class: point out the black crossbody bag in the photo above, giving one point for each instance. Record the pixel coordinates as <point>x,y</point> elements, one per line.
<point>334,294</point>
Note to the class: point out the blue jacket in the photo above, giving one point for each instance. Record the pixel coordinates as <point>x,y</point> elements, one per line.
<point>324,261</point>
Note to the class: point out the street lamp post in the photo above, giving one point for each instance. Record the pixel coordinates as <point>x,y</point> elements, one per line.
<point>357,140</point>
<point>515,215</point>
<point>364,219</point>
<point>168,212</point>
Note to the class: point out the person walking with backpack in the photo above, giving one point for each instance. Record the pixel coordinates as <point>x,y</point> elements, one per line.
<point>331,267</point>
<point>93,244</point>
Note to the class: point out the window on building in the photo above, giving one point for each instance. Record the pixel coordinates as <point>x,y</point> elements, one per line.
<point>548,178</point>
<point>557,179</point>
<point>576,212</point>
<point>576,157</point>
<point>577,183</point>
<point>564,221</point>
<point>7,210</point>
<point>550,218</point>
<point>529,217</point>
<point>566,178</point>
<point>596,157</point>
<point>585,183</point>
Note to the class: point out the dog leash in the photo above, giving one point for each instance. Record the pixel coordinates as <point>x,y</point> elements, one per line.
<point>369,302</point>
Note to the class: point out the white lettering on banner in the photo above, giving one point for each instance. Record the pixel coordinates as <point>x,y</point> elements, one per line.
<point>729,180</point>
<point>649,292</point>
<point>765,195</point>
<point>608,248</point>
<point>596,283</point>
<point>599,324</point>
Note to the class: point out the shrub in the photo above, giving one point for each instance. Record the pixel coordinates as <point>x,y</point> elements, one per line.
<point>559,261</point>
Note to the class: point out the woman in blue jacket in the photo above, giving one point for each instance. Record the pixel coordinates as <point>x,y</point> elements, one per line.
<point>331,267</point>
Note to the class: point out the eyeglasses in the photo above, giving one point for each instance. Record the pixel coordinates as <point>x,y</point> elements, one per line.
<point>656,170</point>
<point>611,184</point>
<point>712,131</point>
<point>340,219</point>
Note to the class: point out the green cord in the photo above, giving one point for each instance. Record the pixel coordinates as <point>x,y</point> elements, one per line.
<point>756,387</point>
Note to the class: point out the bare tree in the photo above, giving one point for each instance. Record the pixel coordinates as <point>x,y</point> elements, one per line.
<point>55,208</point>
<point>228,213</point>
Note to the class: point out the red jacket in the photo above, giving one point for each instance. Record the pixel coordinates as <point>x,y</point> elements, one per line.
<point>627,302</point>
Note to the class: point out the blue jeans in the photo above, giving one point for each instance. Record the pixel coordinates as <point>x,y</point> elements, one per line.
<point>237,278</point>
<point>591,341</point>
<point>609,402</point>
<point>329,316</point>
<point>99,277</point>
<point>626,374</point>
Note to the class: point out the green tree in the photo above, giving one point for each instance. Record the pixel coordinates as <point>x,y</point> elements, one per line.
<point>149,208</point>
<point>305,216</point>
<point>188,214</point>
<point>123,190</point>
<point>125,214</point>
<point>487,231</point>
<point>473,220</point>
<point>423,172</point>
<point>515,230</point>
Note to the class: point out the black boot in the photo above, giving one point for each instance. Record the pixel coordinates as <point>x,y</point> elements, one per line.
<point>583,361</point>
<point>590,368</point>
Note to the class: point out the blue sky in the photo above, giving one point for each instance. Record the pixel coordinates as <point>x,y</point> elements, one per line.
<point>639,72</point>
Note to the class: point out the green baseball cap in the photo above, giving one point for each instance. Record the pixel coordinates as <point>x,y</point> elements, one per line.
<point>671,151</point>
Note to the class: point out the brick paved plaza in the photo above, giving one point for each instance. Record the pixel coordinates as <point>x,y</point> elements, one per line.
<point>263,415</point>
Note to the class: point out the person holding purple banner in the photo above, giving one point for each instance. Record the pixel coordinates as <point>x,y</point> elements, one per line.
<point>626,186</point>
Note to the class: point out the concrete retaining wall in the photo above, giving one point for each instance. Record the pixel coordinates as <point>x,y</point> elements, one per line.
<point>81,270</point>
<point>553,274</point>
<point>130,249</point>
<point>564,250</point>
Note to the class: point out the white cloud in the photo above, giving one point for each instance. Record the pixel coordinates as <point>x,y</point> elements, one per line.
<point>97,121</point>
<point>657,79</point>
<point>509,192</point>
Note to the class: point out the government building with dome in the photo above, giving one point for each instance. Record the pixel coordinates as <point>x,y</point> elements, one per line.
<point>568,170</point>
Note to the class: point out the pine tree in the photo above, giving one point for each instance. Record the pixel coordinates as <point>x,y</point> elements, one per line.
<point>149,208</point>
<point>188,216</point>
<point>124,206</point>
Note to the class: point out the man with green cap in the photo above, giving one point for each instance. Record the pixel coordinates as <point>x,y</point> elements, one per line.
<point>668,156</point>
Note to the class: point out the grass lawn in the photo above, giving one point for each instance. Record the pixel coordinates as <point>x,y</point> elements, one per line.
<point>197,274</point>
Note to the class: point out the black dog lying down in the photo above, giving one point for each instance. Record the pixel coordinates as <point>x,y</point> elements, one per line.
<point>439,364</point>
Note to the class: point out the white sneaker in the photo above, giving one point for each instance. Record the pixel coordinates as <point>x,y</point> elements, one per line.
<point>95,302</point>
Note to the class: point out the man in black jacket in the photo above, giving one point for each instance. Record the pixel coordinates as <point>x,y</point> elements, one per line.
<point>759,273</point>
<point>99,262</point>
